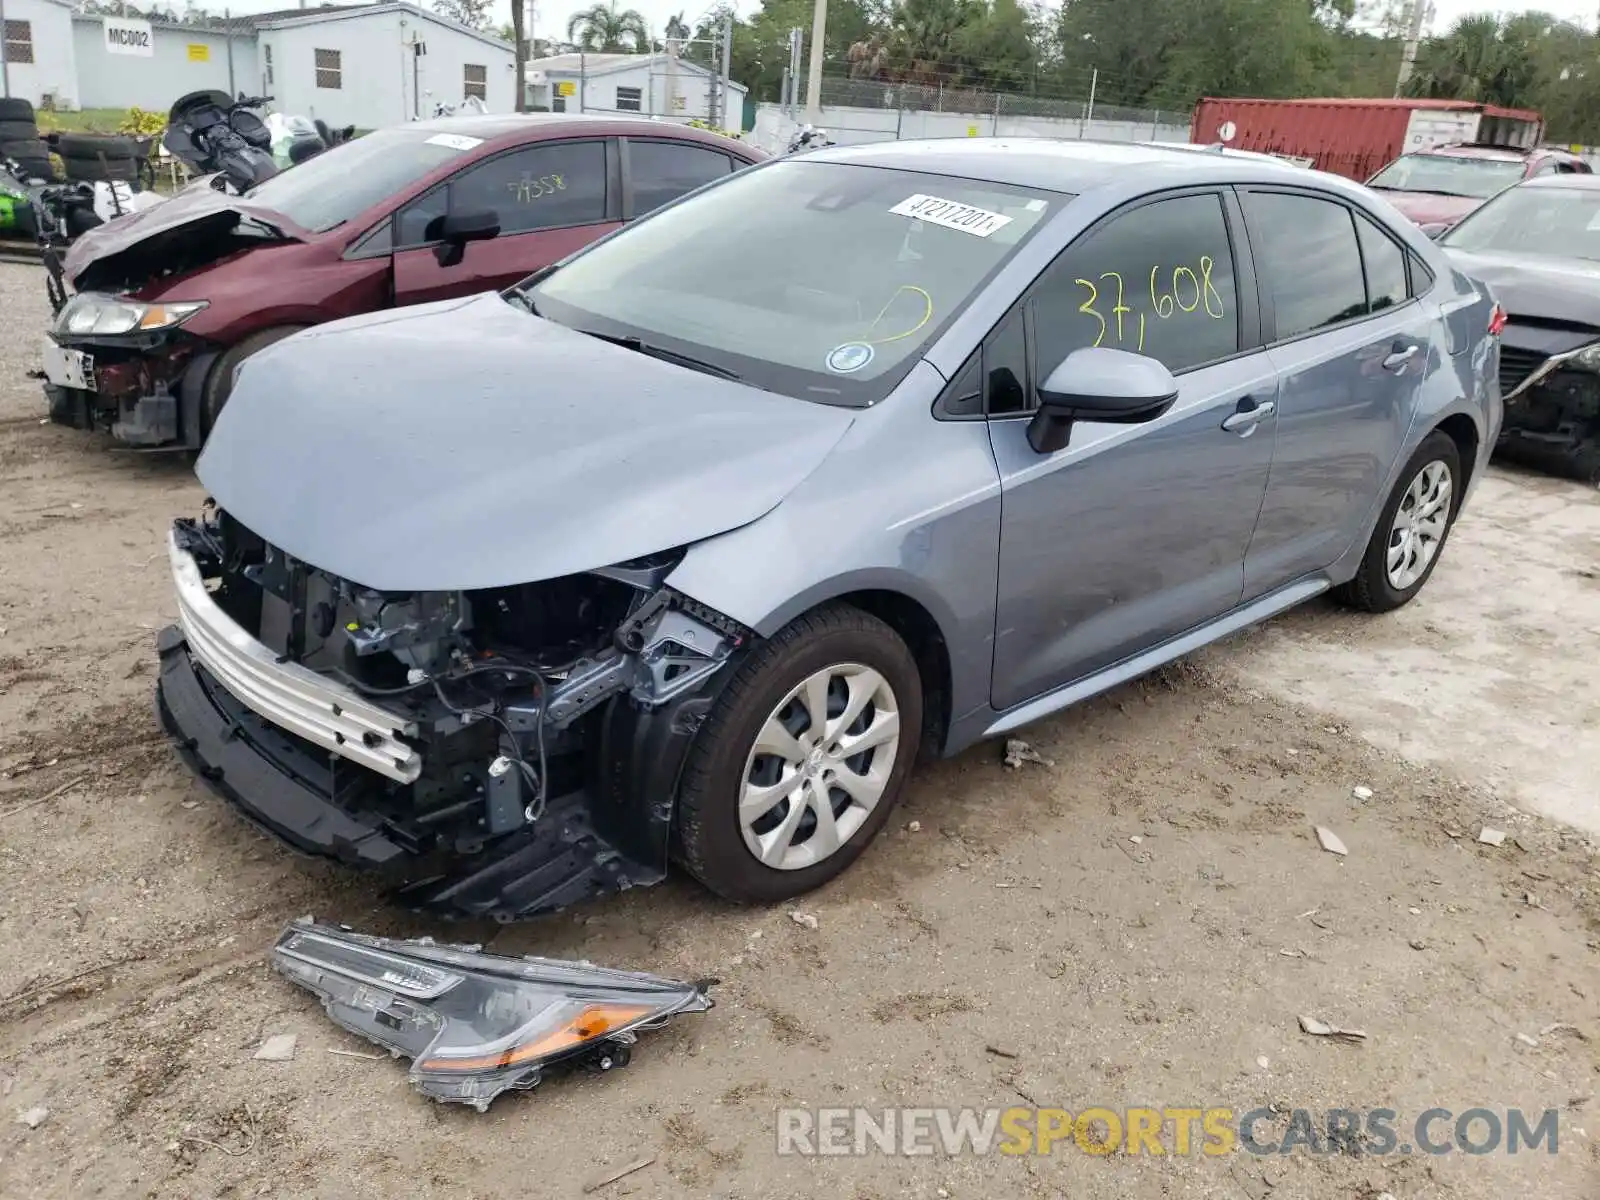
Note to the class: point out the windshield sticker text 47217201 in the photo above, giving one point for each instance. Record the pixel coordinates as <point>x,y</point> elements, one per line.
<point>950,214</point>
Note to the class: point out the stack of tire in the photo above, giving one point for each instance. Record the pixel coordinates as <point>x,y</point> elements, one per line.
<point>20,141</point>
<point>93,157</point>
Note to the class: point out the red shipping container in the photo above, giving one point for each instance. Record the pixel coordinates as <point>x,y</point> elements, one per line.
<point>1356,138</point>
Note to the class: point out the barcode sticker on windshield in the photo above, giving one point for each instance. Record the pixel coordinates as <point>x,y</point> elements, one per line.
<point>456,141</point>
<point>979,222</point>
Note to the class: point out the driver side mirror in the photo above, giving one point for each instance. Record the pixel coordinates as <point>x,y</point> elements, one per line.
<point>1099,384</point>
<point>454,230</point>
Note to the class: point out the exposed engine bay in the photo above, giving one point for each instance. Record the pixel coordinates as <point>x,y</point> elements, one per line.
<point>515,749</point>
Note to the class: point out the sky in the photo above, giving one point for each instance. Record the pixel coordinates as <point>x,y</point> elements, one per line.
<point>550,16</point>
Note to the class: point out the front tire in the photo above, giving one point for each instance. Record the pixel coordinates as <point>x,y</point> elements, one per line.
<point>802,758</point>
<point>219,383</point>
<point>1411,531</point>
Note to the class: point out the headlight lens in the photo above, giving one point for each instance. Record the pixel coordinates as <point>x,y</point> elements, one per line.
<point>93,313</point>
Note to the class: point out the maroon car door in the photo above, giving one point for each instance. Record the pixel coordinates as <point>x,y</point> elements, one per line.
<point>551,198</point>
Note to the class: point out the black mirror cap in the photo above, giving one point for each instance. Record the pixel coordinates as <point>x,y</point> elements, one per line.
<point>475,226</point>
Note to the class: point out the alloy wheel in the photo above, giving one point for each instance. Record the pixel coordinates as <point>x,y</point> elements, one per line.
<point>1419,526</point>
<point>819,766</point>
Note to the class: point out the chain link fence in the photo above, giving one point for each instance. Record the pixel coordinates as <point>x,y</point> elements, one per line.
<point>840,91</point>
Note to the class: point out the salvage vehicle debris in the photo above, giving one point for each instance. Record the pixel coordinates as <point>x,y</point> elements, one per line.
<point>1318,1028</point>
<point>659,557</point>
<point>1536,244</point>
<point>170,302</point>
<point>475,1025</point>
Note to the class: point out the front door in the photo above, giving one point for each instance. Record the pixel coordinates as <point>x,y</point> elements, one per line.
<point>552,198</point>
<point>1352,348</point>
<point>1131,534</point>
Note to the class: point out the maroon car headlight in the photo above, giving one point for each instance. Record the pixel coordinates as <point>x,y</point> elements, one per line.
<point>91,314</point>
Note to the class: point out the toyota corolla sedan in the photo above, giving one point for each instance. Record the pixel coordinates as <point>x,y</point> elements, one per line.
<point>689,546</point>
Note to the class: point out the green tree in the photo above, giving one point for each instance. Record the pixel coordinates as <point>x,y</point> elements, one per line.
<point>474,14</point>
<point>602,29</point>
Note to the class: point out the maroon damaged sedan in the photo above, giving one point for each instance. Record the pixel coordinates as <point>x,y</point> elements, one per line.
<point>164,305</point>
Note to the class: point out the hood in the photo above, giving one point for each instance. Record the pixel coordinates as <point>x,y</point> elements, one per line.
<point>1430,208</point>
<point>1539,286</point>
<point>196,222</point>
<point>468,444</point>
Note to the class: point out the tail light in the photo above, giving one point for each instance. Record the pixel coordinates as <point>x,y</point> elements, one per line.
<point>1497,321</point>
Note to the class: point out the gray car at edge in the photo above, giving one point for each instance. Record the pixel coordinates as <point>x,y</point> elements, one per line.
<point>687,547</point>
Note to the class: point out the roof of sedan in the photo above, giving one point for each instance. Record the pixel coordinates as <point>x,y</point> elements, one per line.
<point>1057,164</point>
<point>495,125</point>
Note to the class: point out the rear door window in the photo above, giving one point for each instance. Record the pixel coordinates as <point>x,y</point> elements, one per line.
<point>1158,280</point>
<point>1385,266</point>
<point>1306,248</point>
<point>663,171</point>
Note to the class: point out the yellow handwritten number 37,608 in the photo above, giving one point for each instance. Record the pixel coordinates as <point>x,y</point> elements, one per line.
<point>1189,292</point>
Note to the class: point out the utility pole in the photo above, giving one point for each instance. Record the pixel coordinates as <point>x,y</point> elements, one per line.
<point>727,56</point>
<point>1408,56</point>
<point>5,68</point>
<point>819,28</point>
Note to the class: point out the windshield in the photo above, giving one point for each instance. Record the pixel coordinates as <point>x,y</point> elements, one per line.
<point>346,180</point>
<point>819,280</point>
<point>1559,221</point>
<point>1448,174</point>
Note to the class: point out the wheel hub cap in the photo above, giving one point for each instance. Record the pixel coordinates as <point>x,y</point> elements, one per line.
<point>1419,526</point>
<point>819,767</point>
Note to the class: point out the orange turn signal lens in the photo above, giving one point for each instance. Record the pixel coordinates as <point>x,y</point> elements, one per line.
<point>596,1020</point>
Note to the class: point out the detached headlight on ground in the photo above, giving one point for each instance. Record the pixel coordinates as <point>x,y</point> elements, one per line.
<point>473,1024</point>
<point>91,313</point>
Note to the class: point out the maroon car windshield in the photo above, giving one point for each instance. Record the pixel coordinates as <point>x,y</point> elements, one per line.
<point>1449,175</point>
<point>343,182</point>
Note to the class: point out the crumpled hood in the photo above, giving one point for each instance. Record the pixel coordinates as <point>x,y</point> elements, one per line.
<point>1534,285</point>
<point>183,216</point>
<point>1429,208</point>
<point>469,444</point>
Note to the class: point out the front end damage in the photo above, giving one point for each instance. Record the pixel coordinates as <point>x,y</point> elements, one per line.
<point>495,753</point>
<point>1550,381</point>
<point>142,387</point>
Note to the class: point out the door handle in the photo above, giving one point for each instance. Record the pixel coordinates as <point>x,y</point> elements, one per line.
<point>1397,361</point>
<point>1245,420</point>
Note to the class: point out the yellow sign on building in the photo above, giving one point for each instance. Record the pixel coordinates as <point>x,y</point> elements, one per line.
<point>566,88</point>
<point>199,52</point>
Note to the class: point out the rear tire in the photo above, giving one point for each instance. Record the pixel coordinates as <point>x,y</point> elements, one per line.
<point>830,794</point>
<point>1412,529</point>
<point>219,383</point>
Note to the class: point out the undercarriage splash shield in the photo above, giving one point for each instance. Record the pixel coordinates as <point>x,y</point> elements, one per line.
<point>473,1024</point>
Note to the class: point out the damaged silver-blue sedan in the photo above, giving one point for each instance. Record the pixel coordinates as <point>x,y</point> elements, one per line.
<point>686,547</point>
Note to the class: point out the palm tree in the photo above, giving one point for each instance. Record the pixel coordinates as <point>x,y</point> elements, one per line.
<point>603,29</point>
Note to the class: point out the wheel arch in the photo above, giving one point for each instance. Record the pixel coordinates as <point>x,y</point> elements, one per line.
<point>921,620</point>
<point>1463,431</point>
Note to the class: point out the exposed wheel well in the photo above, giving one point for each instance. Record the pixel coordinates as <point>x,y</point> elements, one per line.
<point>1464,434</point>
<point>921,633</point>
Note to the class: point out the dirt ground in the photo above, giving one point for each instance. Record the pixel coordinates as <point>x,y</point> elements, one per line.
<point>1021,915</point>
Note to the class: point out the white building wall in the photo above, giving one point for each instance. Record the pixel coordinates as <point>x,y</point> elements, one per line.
<point>379,85</point>
<point>109,80</point>
<point>598,93</point>
<point>54,69</point>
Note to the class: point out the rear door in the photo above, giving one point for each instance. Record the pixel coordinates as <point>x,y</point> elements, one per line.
<point>551,197</point>
<point>658,171</point>
<point>1352,347</point>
